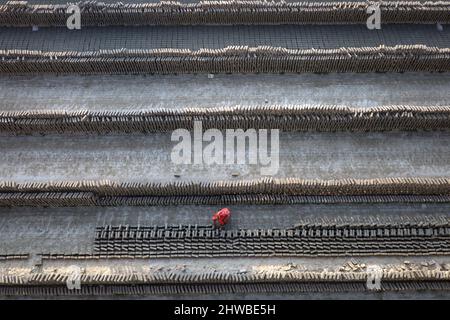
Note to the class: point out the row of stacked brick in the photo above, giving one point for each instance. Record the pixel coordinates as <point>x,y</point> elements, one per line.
<point>260,191</point>
<point>263,59</point>
<point>93,13</point>
<point>286,118</point>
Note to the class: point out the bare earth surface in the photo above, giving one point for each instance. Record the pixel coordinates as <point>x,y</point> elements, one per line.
<point>137,92</point>
<point>148,157</point>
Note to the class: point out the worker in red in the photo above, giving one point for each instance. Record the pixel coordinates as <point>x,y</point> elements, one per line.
<point>221,218</point>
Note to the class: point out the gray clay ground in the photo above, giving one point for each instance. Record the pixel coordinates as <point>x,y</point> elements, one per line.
<point>138,92</point>
<point>147,158</point>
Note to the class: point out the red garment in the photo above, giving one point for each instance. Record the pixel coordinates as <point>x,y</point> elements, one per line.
<point>221,218</point>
